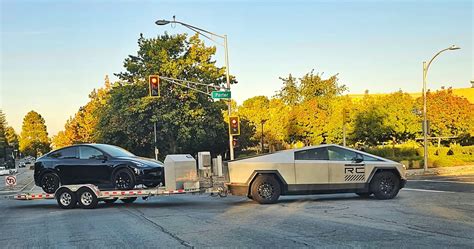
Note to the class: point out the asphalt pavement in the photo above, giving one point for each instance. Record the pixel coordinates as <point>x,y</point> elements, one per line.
<point>432,212</point>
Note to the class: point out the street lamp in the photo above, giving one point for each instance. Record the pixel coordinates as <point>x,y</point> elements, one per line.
<point>203,32</point>
<point>425,121</point>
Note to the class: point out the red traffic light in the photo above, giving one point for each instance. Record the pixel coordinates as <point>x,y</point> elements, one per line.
<point>234,126</point>
<point>154,85</point>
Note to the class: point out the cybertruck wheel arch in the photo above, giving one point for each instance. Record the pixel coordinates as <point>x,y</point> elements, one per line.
<point>380,169</point>
<point>284,184</point>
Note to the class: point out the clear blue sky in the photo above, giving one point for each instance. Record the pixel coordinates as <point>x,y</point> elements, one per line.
<point>53,53</point>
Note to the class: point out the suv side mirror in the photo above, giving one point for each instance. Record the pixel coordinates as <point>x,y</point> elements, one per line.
<point>358,160</point>
<point>101,157</point>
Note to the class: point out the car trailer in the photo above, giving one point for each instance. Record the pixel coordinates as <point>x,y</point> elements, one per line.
<point>88,195</point>
<point>181,177</point>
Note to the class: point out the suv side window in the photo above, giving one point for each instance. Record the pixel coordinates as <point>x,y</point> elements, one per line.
<point>67,153</point>
<point>86,152</point>
<point>340,154</point>
<point>312,154</point>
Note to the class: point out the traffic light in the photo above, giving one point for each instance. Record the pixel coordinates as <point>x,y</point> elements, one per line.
<point>154,83</point>
<point>235,143</point>
<point>234,126</point>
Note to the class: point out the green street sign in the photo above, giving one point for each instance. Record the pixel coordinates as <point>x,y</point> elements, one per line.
<point>221,94</point>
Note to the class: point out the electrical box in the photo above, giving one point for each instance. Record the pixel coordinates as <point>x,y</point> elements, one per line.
<point>204,159</point>
<point>180,172</point>
<point>217,166</point>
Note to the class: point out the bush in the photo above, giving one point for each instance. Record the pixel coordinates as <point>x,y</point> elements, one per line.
<point>412,156</point>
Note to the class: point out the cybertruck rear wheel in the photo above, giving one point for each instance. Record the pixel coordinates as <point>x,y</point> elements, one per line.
<point>385,185</point>
<point>265,189</point>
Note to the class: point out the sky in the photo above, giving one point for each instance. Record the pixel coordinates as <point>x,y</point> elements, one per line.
<point>54,53</point>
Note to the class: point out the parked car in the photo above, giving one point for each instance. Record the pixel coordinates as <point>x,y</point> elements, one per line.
<point>4,171</point>
<point>323,169</point>
<point>21,164</point>
<point>96,164</point>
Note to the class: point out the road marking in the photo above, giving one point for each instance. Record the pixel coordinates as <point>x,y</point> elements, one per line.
<point>440,181</point>
<point>427,190</point>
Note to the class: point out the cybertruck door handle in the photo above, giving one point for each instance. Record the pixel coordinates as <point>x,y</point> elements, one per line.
<point>354,164</point>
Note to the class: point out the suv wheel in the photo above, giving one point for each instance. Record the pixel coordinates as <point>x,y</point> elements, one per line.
<point>50,182</point>
<point>123,179</point>
<point>385,185</point>
<point>265,189</point>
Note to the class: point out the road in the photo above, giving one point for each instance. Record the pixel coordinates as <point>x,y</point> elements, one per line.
<point>432,212</point>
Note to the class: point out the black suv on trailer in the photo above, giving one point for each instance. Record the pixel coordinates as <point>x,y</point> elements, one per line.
<point>100,164</point>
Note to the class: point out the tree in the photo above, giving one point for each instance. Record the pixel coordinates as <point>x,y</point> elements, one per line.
<point>34,137</point>
<point>313,86</point>
<point>386,118</point>
<point>11,137</point>
<point>449,115</point>
<point>289,93</point>
<point>187,121</point>
<point>3,141</point>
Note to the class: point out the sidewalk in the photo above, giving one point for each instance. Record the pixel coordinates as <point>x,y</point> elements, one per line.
<point>457,170</point>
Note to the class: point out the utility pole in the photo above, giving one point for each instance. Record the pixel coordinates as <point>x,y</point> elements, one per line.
<point>263,122</point>
<point>156,148</point>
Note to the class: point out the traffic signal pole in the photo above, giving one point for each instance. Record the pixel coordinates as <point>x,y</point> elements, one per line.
<point>229,103</point>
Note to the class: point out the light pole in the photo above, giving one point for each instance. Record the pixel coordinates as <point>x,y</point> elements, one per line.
<point>425,121</point>
<point>224,37</point>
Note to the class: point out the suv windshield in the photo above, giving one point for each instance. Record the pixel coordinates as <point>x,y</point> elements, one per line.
<point>114,150</point>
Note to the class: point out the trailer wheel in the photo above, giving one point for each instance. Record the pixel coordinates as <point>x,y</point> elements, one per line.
<point>66,198</point>
<point>129,200</point>
<point>87,198</point>
<point>110,201</point>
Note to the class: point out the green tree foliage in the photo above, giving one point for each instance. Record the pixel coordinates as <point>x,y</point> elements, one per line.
<point>34,137</point>
<point>314,86</point>
<point>187,121</point>
<point>387,118</point>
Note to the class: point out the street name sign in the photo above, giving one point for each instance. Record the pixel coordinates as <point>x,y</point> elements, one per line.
<point>221,94</point>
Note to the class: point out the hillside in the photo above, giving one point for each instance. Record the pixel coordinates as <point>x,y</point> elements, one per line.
<point>467,93</point>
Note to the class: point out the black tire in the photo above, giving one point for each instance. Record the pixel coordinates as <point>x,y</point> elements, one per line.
<point>50,182</point>
<point>129,200</point>
<point>265,189</point>
<point>123,179</point>
<point>110,201</point>
<point>86,198</point>
<point>385,185</point>
<point>364,195</point>
<point>151,185</point>
<point>66,198</point>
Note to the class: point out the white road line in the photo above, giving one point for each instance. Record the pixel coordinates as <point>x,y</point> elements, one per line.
<point>427,190</point>
<point>440,181</point>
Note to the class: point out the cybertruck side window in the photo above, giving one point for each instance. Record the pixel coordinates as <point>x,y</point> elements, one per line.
<point>340,154</point>
<point>370,159</point>
<point>312,154</point>
<point>67,153</point>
